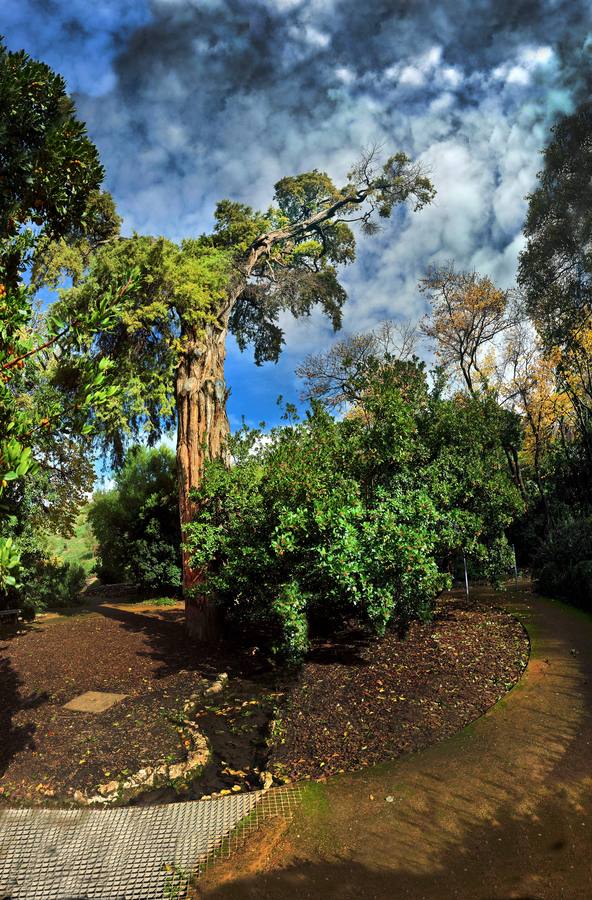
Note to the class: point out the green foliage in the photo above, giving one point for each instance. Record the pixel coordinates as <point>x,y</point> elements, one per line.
<point>556,267</point>
<point>301,196</point>
<point>79,546</point>
<point>49,166</point>
<point>325,521</point>
<point>68,257</point>
<point>177,290</point>
<point>10,563</point>
<point>50,396</point>
<point>309,239</point>
<point>555,273</point>
<point>136,524</point>
<point>254,266</point>
<point>52,584</point>
<point>40,580</point>
<point>564,562</point>
<point>46,500</point>
<point>50,390</point>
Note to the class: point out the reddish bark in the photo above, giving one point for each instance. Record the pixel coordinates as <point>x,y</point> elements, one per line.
<point>202,434</point>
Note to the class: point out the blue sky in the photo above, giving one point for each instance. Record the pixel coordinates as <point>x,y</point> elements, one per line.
<point>190,102</point>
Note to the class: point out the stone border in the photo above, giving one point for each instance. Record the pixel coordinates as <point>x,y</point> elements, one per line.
<point>197,755</point>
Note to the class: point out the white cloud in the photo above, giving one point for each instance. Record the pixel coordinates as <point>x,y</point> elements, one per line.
<point>533,57</point>
<point>412,75</point>
<point>451,75</point>
<point>221,99</point>
<point>517,75</point>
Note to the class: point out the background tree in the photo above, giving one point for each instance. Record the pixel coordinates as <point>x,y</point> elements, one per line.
<point>529,386</point>
<point>555,272</point>
<point>49,190</point>
<point>468,312</point>
<point>341,375</point>
<point>555,268</point>
<point>136,523</point>
<point>171,340</point>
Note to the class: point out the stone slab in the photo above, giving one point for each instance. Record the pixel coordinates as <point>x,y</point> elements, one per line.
<point>94,701</point>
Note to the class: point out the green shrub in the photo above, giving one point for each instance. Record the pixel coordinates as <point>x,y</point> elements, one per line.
<point>44,580</point>
<point>290,542</point>
<point>136,524</point>
<point>327,521</point>
<point>563,564</point>
<point>52,584</point>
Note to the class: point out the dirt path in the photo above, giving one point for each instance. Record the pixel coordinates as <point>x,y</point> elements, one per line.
<point>501,810</point>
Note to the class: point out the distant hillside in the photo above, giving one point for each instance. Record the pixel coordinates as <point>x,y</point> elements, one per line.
<point>80,548</point>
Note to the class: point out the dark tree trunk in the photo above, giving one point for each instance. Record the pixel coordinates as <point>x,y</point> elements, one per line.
<point>515,469</point>
<point>202,434</point>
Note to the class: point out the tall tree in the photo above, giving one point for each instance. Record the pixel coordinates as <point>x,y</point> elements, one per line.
<point>468,314</point>
<point>171,342</point>
<point>529,386</point>
<point>50,177</point>
<point>555,268</point>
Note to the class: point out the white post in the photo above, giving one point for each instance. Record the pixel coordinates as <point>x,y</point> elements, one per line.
<point>515,565</point>
<point>466,576</point>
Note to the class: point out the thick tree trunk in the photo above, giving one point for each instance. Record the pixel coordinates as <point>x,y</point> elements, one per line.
<point>202,434</point>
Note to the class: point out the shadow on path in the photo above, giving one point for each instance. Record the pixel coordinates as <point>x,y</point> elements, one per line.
<point>503,809</point>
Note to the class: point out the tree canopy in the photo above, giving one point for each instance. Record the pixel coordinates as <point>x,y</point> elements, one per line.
<point>50,177</point>
<point>555,268</point>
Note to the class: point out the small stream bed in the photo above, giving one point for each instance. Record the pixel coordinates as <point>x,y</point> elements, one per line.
<point>238,724</point>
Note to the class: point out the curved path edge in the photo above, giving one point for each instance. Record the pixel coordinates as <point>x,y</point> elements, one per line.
<point>503,809</point>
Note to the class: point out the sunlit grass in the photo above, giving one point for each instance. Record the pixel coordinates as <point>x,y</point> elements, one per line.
<point>80,548</point>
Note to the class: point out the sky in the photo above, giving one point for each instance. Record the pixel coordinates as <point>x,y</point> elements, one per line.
<point>191,101</point>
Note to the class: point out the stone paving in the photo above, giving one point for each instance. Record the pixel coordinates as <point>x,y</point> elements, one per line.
<point>501,810</point>
<point>94,701</point>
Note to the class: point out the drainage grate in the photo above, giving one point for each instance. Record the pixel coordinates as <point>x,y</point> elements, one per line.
<point>144,853</point>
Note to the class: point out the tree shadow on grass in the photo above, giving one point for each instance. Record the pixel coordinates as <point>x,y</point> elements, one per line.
<point>14,737</point>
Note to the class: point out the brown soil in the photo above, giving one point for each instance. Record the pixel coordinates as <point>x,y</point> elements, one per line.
<point>49,752</point>
<point>502,809</point>
<point>352,703</point>
<point>358,702</point>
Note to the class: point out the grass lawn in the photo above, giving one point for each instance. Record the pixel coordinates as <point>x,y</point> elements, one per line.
<point>80,548</point>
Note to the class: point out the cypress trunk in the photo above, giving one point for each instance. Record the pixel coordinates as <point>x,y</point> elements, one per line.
<point>202,434</point>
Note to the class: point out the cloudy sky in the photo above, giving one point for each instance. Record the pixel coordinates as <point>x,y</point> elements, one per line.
<point>190,101</point>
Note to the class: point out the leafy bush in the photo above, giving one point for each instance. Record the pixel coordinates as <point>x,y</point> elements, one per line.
<point>563,565</point>
<point>294,543</point>
<point>327,520</point>
<point>137,523</point>
<point>43,580</point>
<point>52,583</point>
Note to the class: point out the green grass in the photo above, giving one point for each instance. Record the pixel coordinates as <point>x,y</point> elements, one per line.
<point>77,549</point>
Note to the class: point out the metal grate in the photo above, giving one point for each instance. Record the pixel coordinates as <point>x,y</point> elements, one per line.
<point>117,854</point>
<point>279,803</point>
<point>145,853</point>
